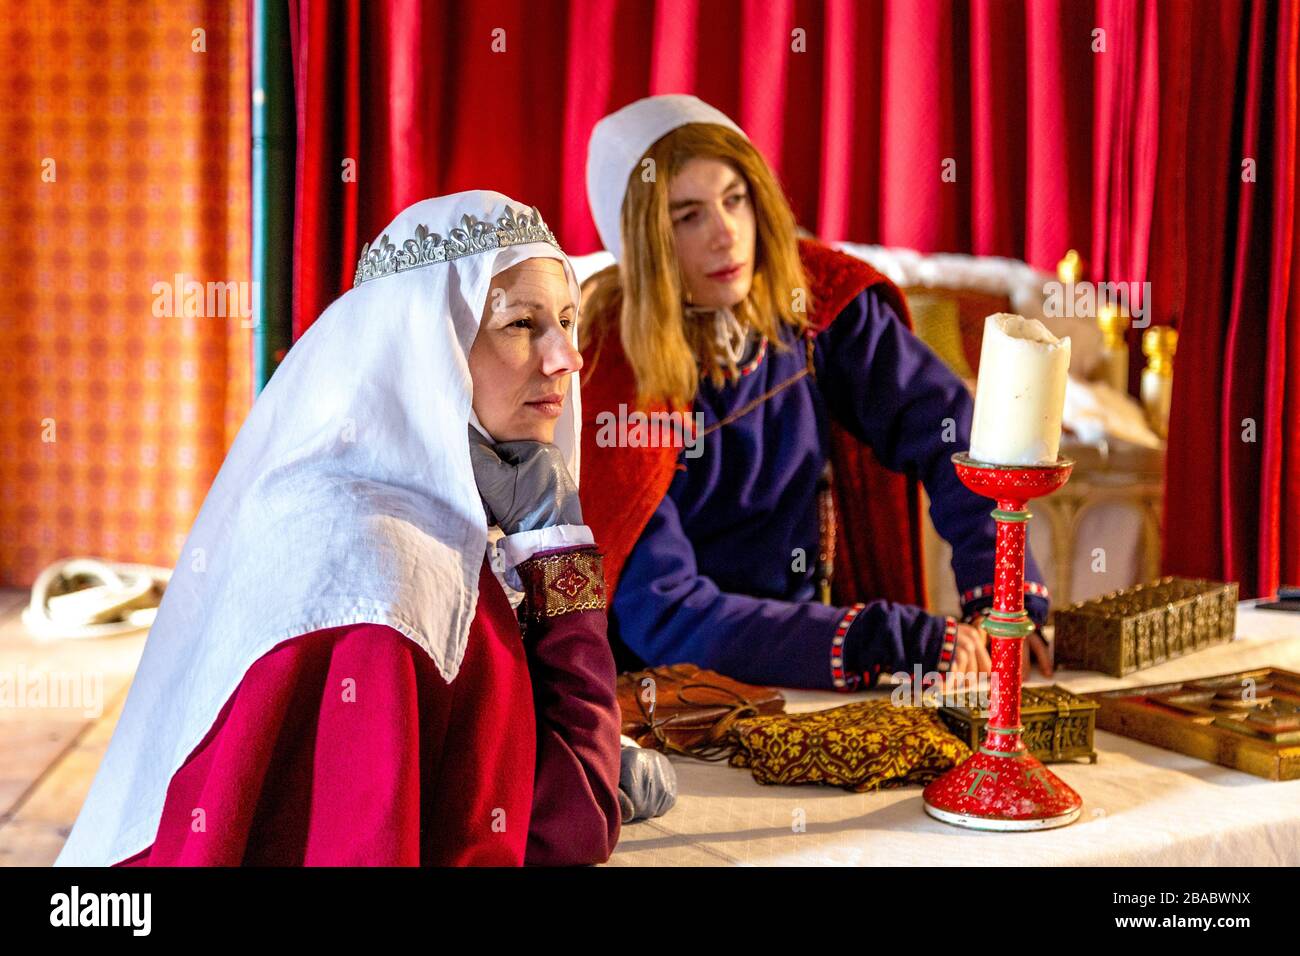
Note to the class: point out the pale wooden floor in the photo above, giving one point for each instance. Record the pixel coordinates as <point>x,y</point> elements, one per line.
<point>48,755</point>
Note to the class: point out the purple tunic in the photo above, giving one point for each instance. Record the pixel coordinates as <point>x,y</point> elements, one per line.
<point>723,575</point>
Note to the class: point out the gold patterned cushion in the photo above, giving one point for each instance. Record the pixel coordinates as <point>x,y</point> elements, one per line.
<point>869,745</point>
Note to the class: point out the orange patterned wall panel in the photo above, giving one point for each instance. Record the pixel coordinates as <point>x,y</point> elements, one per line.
<point>125,139</point>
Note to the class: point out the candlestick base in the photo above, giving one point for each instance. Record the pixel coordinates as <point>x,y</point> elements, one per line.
<point>1003,786</point>
<point>1003,792</point>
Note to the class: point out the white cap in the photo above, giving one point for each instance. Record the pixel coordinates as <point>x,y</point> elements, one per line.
<point>620,140</point>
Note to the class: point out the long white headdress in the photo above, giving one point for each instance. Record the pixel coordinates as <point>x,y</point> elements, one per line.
<point>347,497</point>
<point>621,139</point>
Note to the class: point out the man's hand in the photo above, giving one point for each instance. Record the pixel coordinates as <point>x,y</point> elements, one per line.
<point>1042,653</point>
<point>970,657</point>
<point>1035,643</point>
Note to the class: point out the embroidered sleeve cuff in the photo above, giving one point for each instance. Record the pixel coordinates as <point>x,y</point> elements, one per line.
<point>515,549</point>
<point>561,583</point>
<point>841,677</point>
<point>949,646</point>
<point>1037,601</point>
<point>942,662</point>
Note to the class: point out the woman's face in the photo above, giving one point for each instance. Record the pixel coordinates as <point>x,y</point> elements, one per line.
<point>523,355</point>
<point>713,224</point>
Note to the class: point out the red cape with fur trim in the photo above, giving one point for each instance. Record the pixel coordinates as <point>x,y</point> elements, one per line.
<point>878,517</point>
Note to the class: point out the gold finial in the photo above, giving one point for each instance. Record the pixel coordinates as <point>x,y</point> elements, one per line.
<point>1157,383</point>
<point>1159,345</point>
<point>1113,322</point>
<point>1070,268</point>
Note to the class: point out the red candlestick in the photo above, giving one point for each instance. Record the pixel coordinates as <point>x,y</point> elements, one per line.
<point>1003,786</point>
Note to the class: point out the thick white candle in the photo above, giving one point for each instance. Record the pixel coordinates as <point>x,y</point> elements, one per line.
<point>1020,393</point>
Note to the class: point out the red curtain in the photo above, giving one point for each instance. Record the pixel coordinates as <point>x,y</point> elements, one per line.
<point>1018,128</point>
<point>860,107</point>
<point>1225,259</point>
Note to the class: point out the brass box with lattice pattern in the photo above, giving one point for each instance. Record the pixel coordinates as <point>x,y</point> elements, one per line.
<point>1145,625</point>
<point>1057,725</point>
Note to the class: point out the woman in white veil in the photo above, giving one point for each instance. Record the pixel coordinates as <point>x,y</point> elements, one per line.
<point>336,674</point>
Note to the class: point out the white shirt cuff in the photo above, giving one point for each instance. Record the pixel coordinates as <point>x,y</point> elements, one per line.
<point>517,548</point>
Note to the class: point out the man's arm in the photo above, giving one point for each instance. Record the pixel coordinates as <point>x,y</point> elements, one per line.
<point>892,391</point>
<point>669,613</point>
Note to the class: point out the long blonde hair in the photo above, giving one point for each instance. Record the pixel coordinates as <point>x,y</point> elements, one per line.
<point>668,351</point>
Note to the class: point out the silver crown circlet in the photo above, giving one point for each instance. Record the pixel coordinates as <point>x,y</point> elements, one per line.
<point>471,237</point>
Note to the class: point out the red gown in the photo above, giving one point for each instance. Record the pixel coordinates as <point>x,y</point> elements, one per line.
<point>345,747</point>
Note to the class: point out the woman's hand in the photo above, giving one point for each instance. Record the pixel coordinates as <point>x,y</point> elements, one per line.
<point>525,485</point>
<point>647,784</point>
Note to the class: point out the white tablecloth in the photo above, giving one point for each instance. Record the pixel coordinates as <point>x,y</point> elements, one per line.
<point>1142,805</point>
